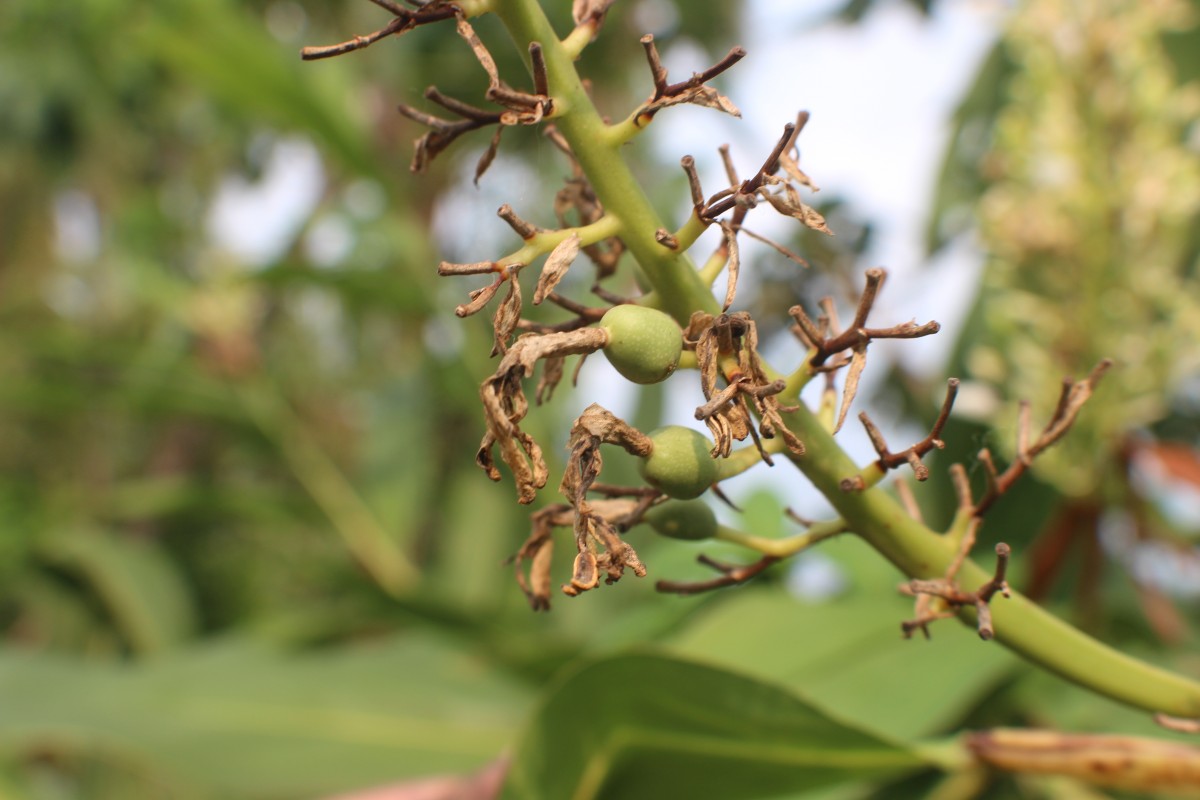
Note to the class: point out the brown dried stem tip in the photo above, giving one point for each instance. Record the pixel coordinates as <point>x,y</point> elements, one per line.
<point>855,338</point>
<point>520,108</point>
<point>955,598</point>
<point>590,14</point>
<point>786,201</point>
<point>1072,399</point>
<point>912,455</point>
<point>405,20</point>
<point>693,90</point>
<point>730,576</point>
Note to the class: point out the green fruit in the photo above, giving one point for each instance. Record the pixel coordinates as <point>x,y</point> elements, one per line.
<point>692,520</point>
<point>643,344</point>
<point>680,464</point>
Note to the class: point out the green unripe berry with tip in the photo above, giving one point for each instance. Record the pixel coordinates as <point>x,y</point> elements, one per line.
<point>680,464</point>
<point>691,520</point>
<point>643,343</point>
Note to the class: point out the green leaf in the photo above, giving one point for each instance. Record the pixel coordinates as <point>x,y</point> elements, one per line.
<point>138,584</point>
<point>649,726</point>
<point>849,655</point>
<point>240,720</point>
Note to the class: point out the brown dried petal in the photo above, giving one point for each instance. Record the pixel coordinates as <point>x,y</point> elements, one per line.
<point>539,577</point>
<point>605,426</point>
<point>596,426</point>
<point>505,405</point>
<point>592,11</point>
<point>792,207</point>
<point>481,53</point>
<point>479,298</point>
<point>792,167</point>
<point>552,374</point>
<point>586,574</point>
<point>489,155</point>
<point>857,362</point>
<point>734,262</point>
<point>508,314</point>
<point>702,95</point>
<point>557,263</point>
<point>483,458</point>
<point>770,413</point>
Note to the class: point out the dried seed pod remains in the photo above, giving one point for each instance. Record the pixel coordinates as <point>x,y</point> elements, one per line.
<point>680,464</point>
<point>644,344</point>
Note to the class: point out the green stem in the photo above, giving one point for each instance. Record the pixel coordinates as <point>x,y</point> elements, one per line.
<point>789,546</point>
<point>1020,624</point>
<point>682,291</point>
<point>543,242</point>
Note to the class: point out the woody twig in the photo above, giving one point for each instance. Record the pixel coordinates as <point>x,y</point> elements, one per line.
<point>953,598</point>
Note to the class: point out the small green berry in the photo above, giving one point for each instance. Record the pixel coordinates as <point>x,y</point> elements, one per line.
<point>644,344</point>
<point>691,520</point>
<point>680,464</point>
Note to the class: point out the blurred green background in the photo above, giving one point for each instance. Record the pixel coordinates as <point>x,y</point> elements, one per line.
<point>244,550</point>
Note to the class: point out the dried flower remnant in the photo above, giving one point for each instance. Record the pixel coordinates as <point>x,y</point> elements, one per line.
<point>910,455</point>
<point>599,544</point>
<point>694,90</point>
<point>556,266</point>
<point>505,405</point>
<point>1070,402</point>
<point>747,194</point>
<point>537,551</point>
<point>856,338</point>
<point>954,598</point>
<point>726,412</point>
<point>519,108</point>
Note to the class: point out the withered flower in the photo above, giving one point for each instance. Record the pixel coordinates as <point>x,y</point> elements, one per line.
<point>608,515</point>
<point>734,338</point>
<point>505,405</point>
<point>600,546</point>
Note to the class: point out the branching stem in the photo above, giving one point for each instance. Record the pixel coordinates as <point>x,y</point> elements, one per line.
<point>912,547</point>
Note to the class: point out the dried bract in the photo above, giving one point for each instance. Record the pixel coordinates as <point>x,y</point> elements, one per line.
<point>557,263</point>
<point>590,13</point>
<point>505,405</point>
<point>693,90</point>
<point>726,412</point>
<point>856,338</point>
<point>954,598</point>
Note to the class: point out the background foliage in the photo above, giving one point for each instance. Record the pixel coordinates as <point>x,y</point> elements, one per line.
<point>244,551</point>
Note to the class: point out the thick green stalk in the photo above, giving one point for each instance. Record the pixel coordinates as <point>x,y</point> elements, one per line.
<point>916,550</point>
<point>577,119</point>
<point>1020,624</point>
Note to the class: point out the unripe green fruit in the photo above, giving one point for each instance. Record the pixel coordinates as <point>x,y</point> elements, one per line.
<point>644,344</point>
<point>680,464</point>
<point>691,520</point>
